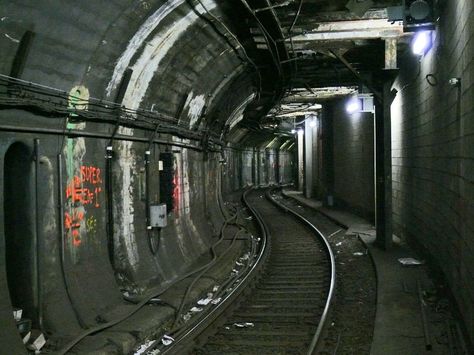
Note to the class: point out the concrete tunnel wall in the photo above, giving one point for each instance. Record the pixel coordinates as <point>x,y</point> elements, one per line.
<point>182,68</point>
<point>343,159</point>
<point>352,159</point>
<point>433,153</point>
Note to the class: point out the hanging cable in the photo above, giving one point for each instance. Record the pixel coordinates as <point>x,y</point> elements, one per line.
<point>239,43</point>
<point>290,30</point>
<point>268,39</point>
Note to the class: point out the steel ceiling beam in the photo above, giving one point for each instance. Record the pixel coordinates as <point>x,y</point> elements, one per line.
<point>351,30</point>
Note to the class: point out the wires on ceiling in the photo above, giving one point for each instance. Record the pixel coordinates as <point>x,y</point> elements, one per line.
<point>54,103</point>
<point>240,45</point>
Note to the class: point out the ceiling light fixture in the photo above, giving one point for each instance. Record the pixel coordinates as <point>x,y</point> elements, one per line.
<point>353,105</point>
<point>421,43</point>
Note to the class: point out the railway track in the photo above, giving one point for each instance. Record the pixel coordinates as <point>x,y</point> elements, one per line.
<point>289,299</point>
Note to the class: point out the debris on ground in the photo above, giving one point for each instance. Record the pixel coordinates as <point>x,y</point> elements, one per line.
<point>37,343</point>
<point>205,301</point>
<point>410,261</point>
<point>167,340</point>
<point>364,229</point>
<point>216,301</point>
<point>244,325</point>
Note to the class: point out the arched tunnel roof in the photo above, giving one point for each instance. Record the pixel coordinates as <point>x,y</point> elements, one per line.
<point>230,70</point>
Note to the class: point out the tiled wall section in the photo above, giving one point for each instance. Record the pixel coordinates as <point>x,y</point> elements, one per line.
<point>353,142</point>
<point>433,152</point>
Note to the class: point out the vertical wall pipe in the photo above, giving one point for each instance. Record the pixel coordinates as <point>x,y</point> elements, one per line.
<point>150,232</point>
<point>110,212</point>
<point>39,290</point>
<point>147,189</point>
<point>62,240</point>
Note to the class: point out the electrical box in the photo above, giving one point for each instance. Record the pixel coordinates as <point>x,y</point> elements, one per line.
<point>158,215</point>
<point>415,14</point>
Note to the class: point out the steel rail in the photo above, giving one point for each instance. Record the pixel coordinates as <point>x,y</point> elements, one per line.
<point>316,341</point>
<point>182,343</point>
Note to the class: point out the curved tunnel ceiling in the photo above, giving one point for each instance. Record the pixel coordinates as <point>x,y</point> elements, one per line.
<point>209,65</point>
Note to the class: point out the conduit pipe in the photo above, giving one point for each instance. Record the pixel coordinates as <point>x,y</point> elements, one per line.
<point>62,241</point>
<point>39,289</point>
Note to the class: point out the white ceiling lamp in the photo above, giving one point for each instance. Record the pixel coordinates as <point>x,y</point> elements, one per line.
<point>421,43</point>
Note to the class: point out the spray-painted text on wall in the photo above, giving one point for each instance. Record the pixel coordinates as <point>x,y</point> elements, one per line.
<point>83,190</point>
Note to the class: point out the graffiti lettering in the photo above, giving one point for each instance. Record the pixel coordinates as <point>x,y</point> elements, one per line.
<point>72,223</point>
<point>91,175</point>
<point>91,224</point>
<point>176,193</point>
<point>86,196</point>
<point>83,190</point>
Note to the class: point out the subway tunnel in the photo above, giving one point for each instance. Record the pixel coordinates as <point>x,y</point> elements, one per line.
<point>130,129</point>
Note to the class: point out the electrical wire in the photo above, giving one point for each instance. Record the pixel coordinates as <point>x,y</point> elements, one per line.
<point>215,258</point>
<point>139,306</point>
<point>268,39</point>
<point>290,30</point>
<point>177,331</point>
<point>257,70</point>
<point>52,102</point>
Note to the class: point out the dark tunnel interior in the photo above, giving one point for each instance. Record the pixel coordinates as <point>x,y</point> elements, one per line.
<point>131,128</point>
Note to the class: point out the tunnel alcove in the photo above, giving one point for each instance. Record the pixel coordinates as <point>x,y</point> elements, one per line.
<point>20,254</point>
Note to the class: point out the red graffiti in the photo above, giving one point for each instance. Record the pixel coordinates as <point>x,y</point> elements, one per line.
<point>91,175</point>
<point>176,193</point>
<point>86,196</point>
<point>82,190</point>
<point>78,191</point>
<point>72,222</point>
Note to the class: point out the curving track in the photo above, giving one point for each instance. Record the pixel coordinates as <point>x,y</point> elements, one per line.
<point>283,313</point>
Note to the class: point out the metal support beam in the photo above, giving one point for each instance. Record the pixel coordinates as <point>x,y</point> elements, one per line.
<point>308,159</point>
<point>351,30</point>
<point>383,162</point>
<point>277,167</point>
<point>327,155</point>
<point>259,167</point>
<point>300,145</point>
<point>356,74</point>
<point>390,53</point>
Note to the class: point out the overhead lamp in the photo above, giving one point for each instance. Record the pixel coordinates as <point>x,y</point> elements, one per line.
<point>421,43</point>
<point>300,131</point>
<point>353,105</point>
<point>293,131</point>
<point>311,119</point>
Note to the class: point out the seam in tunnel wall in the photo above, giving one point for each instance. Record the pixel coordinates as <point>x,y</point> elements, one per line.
<point>433,153</point>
